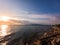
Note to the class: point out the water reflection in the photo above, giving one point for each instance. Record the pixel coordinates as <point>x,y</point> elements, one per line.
<point>4,30</point>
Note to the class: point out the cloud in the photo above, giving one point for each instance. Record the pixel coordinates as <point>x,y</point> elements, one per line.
<point>14,10</point>
<point>44,19</point>
<point>40,18</point>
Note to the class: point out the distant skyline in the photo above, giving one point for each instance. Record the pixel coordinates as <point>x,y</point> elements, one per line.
<point>35,11</point>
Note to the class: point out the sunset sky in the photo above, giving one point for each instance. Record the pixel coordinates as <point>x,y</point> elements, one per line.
<point>35,11</point>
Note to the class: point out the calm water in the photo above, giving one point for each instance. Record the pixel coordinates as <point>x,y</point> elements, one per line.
<point>19,30</point>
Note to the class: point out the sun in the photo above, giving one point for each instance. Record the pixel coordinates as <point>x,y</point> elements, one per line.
<point>5,18</point>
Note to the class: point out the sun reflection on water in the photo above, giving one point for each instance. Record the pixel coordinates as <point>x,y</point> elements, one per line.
<point>4,30</point>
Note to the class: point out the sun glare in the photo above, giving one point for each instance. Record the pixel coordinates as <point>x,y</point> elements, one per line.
<point>5,18</point>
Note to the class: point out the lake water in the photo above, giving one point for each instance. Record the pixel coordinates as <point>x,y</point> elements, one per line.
<point>18,30</point>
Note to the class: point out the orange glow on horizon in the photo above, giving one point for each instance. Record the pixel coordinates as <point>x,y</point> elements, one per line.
<point>9,20</point>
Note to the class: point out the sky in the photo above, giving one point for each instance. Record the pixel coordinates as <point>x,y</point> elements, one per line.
<point>34,11</point>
